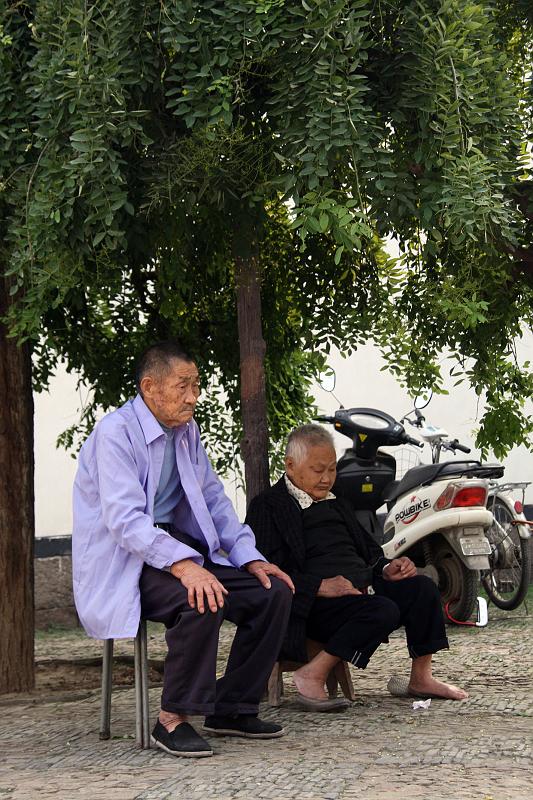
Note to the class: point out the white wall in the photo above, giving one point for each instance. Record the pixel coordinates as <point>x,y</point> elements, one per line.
<point>54,468</point>
<point>359,383</point>
<point>55,411</point>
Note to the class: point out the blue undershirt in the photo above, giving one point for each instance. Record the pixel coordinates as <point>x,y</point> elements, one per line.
<point>169,491</point>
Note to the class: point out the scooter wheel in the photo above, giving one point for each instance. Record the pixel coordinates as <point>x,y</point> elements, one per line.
<point>458,585</point>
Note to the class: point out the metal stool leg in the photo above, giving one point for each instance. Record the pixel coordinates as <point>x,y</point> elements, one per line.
<point>142,706</point>
<point>107,679</point>
<point>144,684</point>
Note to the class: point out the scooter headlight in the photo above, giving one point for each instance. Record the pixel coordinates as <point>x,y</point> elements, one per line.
<point>462,495</point>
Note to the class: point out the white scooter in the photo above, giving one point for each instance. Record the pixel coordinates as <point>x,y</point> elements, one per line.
<point>437,513</point>
<point>506,581</point>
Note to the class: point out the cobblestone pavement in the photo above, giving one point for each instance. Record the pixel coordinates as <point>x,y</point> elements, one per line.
<point>479,749</point>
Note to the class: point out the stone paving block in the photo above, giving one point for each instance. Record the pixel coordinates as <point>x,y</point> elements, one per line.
<point>377,749</point>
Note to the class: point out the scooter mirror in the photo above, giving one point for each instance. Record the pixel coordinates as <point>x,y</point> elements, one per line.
<point>327,380</point>
<point>423,400</point>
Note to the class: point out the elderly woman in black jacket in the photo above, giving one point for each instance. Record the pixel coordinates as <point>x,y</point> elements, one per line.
<point>348,595</point>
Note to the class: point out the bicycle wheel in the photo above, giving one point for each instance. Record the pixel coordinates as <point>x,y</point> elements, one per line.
<point>507,579</point>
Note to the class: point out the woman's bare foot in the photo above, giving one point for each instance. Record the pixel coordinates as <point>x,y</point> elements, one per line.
<point>309,685</point>
<point>431,687</point>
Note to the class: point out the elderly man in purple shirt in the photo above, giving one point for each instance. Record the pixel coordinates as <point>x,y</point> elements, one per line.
<point>155,535</point>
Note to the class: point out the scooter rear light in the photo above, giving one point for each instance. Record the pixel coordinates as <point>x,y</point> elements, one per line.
<point>445,499</point>
<point>457,495</point>
<point>518,507</point>
<point>470,496</point>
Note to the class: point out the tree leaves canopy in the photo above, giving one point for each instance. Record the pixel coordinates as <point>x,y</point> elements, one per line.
<point>136,137</point>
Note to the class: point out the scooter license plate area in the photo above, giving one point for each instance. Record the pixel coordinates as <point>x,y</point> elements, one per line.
<point>475,546</point>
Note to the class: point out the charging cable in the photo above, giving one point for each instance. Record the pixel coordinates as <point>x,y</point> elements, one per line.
<point>482,614</point>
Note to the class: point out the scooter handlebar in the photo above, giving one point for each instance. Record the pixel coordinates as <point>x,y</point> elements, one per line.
<point>457,446</point>
<point>324,418</point>
<point>410,440</point>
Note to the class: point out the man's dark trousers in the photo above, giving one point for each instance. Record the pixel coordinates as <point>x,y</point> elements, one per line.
<point>190,685</point>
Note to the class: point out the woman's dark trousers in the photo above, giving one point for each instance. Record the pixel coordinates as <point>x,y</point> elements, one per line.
<point>354,626</point>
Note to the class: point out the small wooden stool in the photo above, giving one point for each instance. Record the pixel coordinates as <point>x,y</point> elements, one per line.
<point>339,676</point>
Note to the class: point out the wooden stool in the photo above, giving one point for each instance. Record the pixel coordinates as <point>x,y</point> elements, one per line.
<point>339,676</point>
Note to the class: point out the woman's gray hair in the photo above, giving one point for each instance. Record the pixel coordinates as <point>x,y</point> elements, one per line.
<point>304,437</point>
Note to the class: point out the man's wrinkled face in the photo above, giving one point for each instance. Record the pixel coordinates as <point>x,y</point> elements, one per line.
<point>316,472</point>
<point>172,396</point>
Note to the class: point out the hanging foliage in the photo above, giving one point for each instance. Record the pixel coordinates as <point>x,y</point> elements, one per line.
<point>145,130</point>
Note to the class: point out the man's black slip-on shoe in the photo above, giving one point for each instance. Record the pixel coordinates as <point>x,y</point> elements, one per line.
<point>247,725</point>
<point>182,741</point>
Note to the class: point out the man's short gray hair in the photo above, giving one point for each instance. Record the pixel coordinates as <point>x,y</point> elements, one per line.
<point>157,360</point>
<point>304,437</point>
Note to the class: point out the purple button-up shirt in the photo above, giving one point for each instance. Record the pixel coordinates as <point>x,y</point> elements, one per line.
<point>113,529</point>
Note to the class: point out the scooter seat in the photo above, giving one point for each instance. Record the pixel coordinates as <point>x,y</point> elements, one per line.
<point>427,473</point>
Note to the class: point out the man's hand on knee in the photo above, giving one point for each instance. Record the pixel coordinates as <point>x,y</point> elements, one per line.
<point>199,582</point>
<point>338,586</point>
<point>262,569</point>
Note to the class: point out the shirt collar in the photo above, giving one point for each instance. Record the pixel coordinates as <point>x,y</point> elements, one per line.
<point>303,499</point>
<point>169,432</point>
<point>151,427</point>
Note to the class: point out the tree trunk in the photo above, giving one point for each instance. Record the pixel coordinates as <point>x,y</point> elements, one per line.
<point>16,511</point>
<point>254,444</point>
